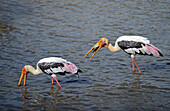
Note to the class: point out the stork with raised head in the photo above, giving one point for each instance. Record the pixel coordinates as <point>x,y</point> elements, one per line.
<point>52,66</point>
<point>132,45</point>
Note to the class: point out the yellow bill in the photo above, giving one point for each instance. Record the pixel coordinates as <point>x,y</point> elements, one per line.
<point>95,48</point>
<point>24,73</point>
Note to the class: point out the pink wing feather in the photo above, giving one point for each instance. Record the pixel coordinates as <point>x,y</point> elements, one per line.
<point>70,67</point>
<point>151,49</point>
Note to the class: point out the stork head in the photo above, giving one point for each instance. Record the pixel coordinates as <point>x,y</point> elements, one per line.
<point>24,73</point>
<point>103,42</point>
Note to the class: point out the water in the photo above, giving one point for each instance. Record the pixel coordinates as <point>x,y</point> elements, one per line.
<point>31,30</point>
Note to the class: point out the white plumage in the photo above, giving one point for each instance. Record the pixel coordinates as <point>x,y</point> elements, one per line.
<point>52,59</point>
<point>50,66</point>
<point>132,45</point>
<point>133,38</point>
<point>137,45</point>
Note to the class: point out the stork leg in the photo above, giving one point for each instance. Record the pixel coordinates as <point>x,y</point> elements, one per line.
<point>57,82</point>
<point>137,65</point>
<point>133,69</point>
<point>52,80</point>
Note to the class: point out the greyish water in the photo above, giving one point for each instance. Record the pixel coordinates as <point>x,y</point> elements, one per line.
<point>33,29</point>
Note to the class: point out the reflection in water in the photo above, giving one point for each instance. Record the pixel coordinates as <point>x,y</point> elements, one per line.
<point>24,94</point>
<point>29,98</point>
<point>139,75</point>
<point>135,84</point>
<point>52,89</point>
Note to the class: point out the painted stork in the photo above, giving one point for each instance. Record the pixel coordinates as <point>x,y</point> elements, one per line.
<point>132,45</point>
<point>52,66</point>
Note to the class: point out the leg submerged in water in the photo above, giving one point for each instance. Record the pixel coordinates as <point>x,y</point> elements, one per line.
<point>57,82</point>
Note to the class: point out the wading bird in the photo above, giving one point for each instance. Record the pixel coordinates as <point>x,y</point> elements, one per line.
<point>132,45</point>
<point>52,66</point>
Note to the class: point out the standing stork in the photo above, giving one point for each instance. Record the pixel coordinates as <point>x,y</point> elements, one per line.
<point>132,45</point>
<point>51,66</point>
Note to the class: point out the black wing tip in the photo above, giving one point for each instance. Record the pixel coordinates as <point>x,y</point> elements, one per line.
<point>161,54</point>
<point>79,71</point>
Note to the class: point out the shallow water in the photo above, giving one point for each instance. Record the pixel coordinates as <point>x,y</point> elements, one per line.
<point>31,30</point>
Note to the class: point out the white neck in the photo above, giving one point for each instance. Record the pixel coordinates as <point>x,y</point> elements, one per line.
<point>32,70</point>
<point>115,48</point>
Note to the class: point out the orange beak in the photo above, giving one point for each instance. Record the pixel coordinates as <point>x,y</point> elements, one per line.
<point>24,72</point>
<point>95,48</point>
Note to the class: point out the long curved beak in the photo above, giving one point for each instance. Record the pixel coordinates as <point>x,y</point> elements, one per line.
<point>24,73</point>
<point>95,48</point>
